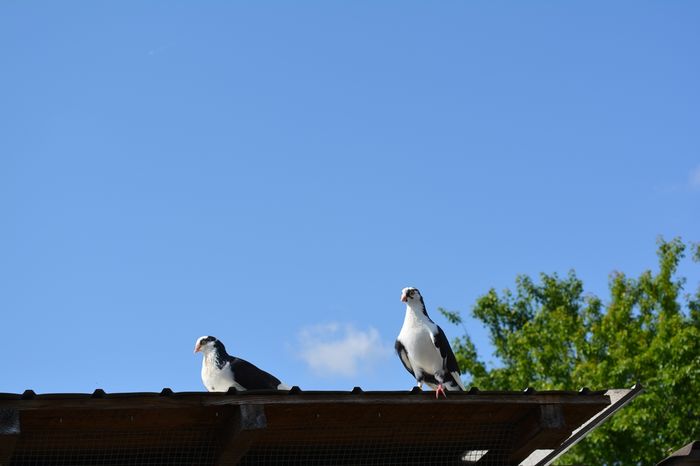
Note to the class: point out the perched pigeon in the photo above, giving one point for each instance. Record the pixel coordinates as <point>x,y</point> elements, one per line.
<point>220,371</point>
<point>424,349</point>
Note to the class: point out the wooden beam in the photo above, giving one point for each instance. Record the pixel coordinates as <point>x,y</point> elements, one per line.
<point>107,420</point>
<point>551,417</point>
<point>245,425</point>
<point>149,401</point>
<point>9,433</point>
<point>7,448</point>
<point>9,421</point>
<point>543,427</point>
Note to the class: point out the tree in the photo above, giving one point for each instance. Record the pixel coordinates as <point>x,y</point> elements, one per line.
<point>550,335</point>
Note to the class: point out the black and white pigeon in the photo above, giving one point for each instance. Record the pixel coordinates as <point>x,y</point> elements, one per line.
<point>423,348</point>
<point>220,371</point>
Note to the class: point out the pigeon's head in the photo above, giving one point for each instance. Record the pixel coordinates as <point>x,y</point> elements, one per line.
<point>410,295</point>
<point>205,344</point>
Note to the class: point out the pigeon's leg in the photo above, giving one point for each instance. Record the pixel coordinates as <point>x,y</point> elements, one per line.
<point>438,390</point>
<point>419,380</point>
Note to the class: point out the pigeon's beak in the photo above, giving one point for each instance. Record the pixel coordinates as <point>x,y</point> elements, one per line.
<point>196,348</point>
<point>404,297</point>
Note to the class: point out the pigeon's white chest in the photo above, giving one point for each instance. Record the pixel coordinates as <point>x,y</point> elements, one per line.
<point>415,336</point>
<point>218,380</point>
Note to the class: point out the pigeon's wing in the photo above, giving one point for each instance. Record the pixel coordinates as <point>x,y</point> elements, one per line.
<point>449,361</point>
<point>403,355</point>
<point>252,377</point>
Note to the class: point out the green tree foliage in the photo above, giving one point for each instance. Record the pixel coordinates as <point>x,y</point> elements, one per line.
<point>551,335</point>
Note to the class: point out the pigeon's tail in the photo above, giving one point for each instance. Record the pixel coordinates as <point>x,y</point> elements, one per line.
<point>451,380</point>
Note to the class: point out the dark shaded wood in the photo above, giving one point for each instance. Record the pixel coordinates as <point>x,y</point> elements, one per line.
<point>443,455</point>
<point>122,419</point>
<point>576,414</point>
<point>376,425</point>
<point>348,427</point>
<point>551,417</point>
<point>7,448</point>
<point>88,443</point>
<point>10,428</point>
<point>338,416</point>
<point>113,428</point>
<point>245,425</point>
<point>544,427</point>
<point>183,400</point>
<point>9,421</point>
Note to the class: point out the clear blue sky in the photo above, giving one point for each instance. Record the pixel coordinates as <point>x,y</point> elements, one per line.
<point>274,175</point>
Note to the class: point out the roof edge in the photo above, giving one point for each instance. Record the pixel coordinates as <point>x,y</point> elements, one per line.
<point>618,397</point>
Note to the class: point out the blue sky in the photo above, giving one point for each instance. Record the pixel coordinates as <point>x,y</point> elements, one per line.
<point>273,174</point>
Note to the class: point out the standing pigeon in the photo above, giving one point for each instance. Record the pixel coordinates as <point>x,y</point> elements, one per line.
<point>220,371</point>
<point>424,349</point>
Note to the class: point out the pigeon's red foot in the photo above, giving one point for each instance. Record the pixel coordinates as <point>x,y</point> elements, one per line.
<point>438,390</point>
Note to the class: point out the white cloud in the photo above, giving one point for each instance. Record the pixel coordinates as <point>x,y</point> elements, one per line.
<point>692,183</point>
<point>341,349</point>
<point>694,179</point>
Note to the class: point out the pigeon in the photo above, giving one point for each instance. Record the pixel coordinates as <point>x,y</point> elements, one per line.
<point>423,348</point>
<point>220,371</point>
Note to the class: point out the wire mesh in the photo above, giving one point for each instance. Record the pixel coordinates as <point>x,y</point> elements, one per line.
<point>121,448</point>
<point>291,435</point>
<point>415,441</point>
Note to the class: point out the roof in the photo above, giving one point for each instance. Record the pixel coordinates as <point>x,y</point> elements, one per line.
<point>688,455</point>
<point>300,427</point>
